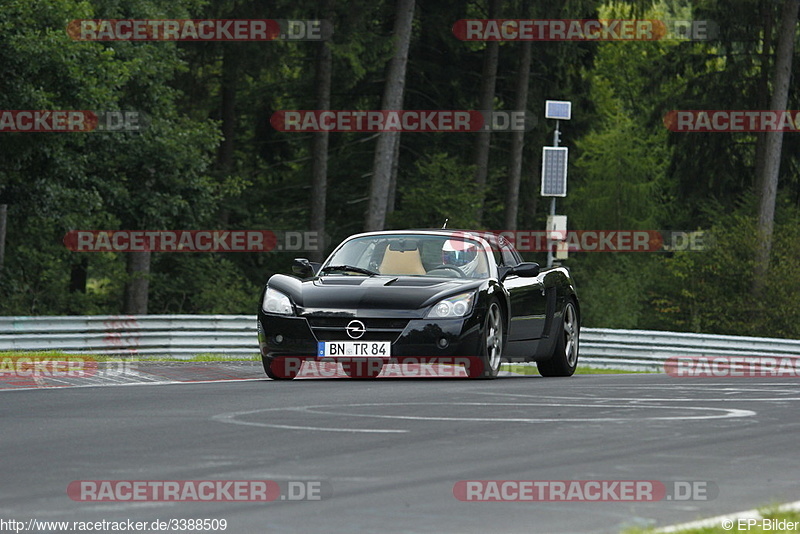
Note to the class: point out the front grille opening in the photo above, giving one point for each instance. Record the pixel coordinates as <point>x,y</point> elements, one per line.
<point>334,328</point>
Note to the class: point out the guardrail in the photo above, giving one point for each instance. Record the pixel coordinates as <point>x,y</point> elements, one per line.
<point>649,349</point>
<point>184,336</point>
<point>135,335</point>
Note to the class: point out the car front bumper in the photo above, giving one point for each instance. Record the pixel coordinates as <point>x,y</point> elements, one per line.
<point>419,340</point>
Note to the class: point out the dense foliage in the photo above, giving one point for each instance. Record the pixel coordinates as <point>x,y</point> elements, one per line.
<point>210,159</point>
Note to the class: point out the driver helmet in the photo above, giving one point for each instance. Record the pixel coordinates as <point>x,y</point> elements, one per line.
<point>461,254</point>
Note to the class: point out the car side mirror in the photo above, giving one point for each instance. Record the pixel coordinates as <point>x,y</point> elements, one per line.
<point>526,269</point>
<point>304,268</point>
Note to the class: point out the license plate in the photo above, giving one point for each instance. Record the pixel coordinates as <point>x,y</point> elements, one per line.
<point>354,349</point>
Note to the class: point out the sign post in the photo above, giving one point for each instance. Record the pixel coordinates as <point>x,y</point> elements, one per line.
<point>554,172</point>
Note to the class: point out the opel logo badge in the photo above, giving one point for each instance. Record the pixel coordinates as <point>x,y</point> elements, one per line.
<point>355,329</point>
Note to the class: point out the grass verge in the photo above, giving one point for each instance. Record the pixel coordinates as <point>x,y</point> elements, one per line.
<point>58,355</point>
<point>772,520</point>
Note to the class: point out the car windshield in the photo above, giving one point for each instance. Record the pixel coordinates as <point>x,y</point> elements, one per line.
<point>410,255</point>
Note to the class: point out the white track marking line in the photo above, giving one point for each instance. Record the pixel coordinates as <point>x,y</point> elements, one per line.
<point>162,383</point>
<point>730,412</point>
<point>635,399</point>
<point>231,418</point>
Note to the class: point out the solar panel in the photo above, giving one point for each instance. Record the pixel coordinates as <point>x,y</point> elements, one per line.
<point>558,109</point>
<point>554,171</point>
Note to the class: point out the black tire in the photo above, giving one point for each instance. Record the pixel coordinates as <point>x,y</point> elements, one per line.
<point>362,368</point>
<point>564,360</point>
<point>282,368</point>
<point>487,365</point>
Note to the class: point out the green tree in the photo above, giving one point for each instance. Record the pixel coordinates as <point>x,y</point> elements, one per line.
<point>54,183</point>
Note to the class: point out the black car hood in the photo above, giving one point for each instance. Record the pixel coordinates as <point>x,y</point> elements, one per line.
<point>366,294</point>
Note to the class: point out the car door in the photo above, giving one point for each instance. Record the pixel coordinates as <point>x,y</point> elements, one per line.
<point>527,300</point>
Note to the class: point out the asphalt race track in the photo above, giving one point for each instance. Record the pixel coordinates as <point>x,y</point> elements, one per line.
<point>388,453</point>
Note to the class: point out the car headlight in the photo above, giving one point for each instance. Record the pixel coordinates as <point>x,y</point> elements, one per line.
<point>456,306</point>
<point>277,302</point>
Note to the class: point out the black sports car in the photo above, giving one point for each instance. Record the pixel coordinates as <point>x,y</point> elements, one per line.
<point>449,296</point>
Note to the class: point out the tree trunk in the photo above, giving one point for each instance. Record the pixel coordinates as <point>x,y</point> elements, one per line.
<point>763,92</point>
<point>138,283</point>
<point>530,187</point>
<point>225,156</point>
<point>392,100</point>
<point>78,275</point>
<point>228,110</point>
<point>774,143</point>
<point>483,139</point>
<point>390,201</point>
<point>319,148</point>
<point>3,221</point>
<point>518,140</point>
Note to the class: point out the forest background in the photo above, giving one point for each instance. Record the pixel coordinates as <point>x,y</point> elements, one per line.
<point>210,159</point>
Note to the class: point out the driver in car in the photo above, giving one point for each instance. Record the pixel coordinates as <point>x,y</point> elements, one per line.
<point>465,256</point>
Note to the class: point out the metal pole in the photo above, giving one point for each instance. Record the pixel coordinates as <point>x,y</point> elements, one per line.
<point>549,244</point>
<point>556,135</point>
